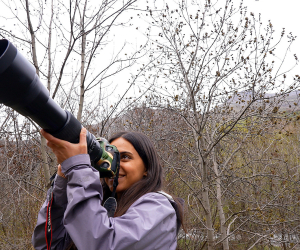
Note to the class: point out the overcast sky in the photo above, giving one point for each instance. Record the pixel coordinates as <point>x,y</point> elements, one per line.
<point>283,14</point>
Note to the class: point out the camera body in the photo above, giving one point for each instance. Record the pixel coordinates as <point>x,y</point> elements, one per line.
<point>22,90</point>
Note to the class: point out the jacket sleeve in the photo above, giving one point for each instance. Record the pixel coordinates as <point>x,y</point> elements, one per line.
<point>77,214</point>
<point>150,223</point>
<point>60,238</point>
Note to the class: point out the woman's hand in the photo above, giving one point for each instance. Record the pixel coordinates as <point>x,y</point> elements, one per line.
<point>64,149</point>
<point>59,172</point>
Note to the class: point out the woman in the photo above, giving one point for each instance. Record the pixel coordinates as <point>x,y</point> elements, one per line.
<point>144,219</point>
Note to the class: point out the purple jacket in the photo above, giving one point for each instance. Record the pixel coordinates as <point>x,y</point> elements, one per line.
<point>77,214</point>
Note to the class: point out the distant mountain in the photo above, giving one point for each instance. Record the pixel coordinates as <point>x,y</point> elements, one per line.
<point>289,102</point>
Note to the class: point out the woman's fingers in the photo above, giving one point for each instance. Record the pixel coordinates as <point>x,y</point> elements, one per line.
<point>49,144</point>
<point>82,141</point>
<point>59,172</point>
<point>50,138</point>
<point>64,149</point>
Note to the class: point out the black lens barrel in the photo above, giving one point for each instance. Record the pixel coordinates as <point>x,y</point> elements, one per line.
<point>22,90</point>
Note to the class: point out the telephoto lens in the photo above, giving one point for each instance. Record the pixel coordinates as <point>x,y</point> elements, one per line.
<point>22,90</point>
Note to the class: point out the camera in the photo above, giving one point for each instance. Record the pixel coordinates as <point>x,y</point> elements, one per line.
<point>22,90</point>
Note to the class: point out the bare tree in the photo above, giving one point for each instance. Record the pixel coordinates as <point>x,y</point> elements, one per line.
<point>219,73</point>
<point>77,36</point>
<point>212,97</point>
<point>71,46</point>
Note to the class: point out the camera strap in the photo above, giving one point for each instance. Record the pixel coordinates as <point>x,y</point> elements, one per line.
<point>48,224</point>
<point>111,203</point>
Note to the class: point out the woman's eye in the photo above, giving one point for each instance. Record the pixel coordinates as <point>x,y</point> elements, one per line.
<point>125,157</point>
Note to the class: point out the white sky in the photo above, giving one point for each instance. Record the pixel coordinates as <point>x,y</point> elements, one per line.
<point>283,14</point>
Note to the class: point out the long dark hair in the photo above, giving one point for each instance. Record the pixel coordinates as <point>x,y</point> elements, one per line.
<point>150,183</point>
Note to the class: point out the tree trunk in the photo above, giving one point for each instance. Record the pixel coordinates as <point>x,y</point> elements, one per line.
<point>49,49</point>
<point>82,75</point>
<point>206,204</point>
<point>81,98</point>
<point>223,228</point>
<point>35,63</point>
<point>44,159</point>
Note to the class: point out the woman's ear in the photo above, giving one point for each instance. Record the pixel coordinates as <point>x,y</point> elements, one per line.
<point>145,173</point>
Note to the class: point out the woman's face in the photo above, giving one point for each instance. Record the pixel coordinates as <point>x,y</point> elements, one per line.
<point>132,168</point>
